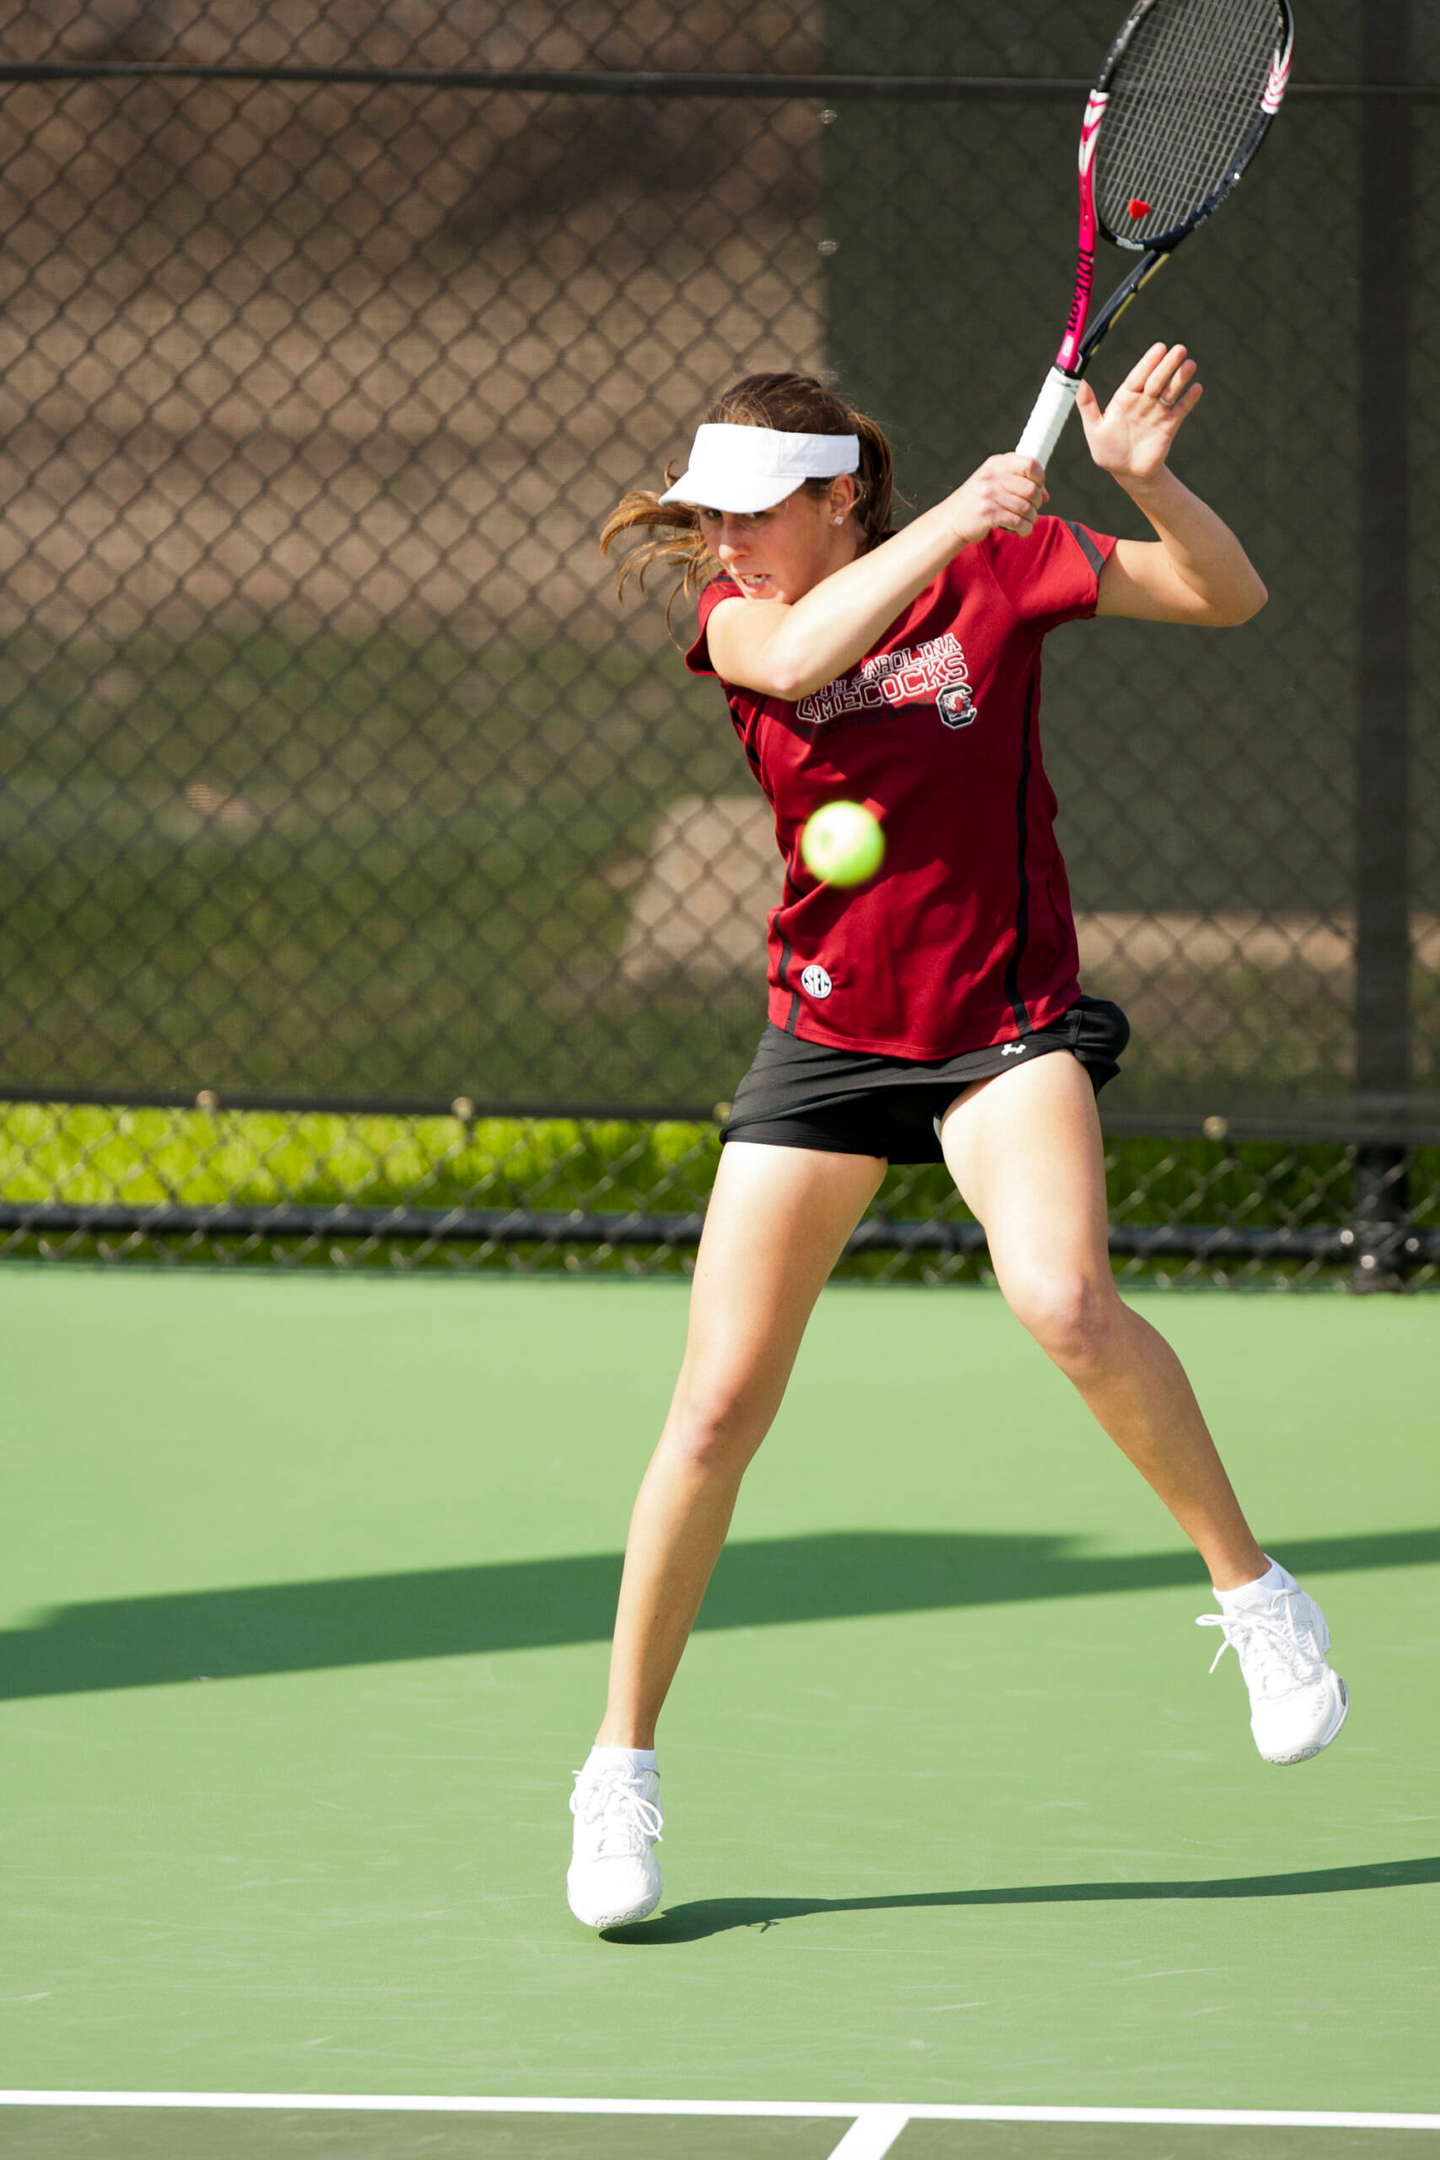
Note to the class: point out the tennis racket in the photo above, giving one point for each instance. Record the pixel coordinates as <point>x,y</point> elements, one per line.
<point>1183,102</point>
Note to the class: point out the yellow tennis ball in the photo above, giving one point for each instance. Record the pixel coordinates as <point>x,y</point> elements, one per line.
<point>843,843</point>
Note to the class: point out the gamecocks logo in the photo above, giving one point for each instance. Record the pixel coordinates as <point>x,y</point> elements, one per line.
<point>956,706</point>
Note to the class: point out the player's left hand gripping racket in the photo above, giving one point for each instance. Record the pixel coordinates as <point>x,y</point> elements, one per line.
<point>1186,94</point>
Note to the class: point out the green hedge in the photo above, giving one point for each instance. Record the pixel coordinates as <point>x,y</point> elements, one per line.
<point>79,1155</point>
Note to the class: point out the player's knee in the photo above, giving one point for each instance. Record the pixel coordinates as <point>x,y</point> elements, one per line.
<point>715,1429</point>
<point>1071,1315</point>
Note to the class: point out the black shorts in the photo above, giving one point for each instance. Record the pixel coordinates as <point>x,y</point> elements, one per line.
<point>858,1102</point>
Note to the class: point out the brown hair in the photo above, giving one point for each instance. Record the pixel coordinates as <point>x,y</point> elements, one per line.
<point>796,404</point>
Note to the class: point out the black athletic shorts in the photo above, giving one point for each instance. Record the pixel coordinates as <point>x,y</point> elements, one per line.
<point>857,1102</point>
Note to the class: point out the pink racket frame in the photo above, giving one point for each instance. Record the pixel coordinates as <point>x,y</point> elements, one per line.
<point>1057,396</point>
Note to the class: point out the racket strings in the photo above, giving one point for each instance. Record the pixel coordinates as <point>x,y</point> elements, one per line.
<point>1184,101</point>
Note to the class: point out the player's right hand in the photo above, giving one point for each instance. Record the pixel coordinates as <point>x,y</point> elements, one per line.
<point>1007,491</point>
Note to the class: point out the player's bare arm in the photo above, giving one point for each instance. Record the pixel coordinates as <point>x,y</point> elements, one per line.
<point>814,606</point>
<point>1195,571</point>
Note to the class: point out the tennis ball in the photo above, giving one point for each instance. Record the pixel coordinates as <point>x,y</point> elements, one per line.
<point>843,843</point>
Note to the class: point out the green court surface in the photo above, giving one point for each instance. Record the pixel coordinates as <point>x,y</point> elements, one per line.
<point>71,2133</point>
<point>307,1587</point>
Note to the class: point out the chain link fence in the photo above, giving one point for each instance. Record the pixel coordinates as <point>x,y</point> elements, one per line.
<point>370,883</point>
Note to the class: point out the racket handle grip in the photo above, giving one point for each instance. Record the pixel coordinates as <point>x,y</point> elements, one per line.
<point>1052,409</point>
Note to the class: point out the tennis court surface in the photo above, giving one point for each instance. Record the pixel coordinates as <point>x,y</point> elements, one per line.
<point>308,1584</point>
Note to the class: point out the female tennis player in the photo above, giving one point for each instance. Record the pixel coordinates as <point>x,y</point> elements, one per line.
<point>933,1012</point>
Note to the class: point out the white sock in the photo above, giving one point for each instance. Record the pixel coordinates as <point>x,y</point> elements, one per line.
<point>633,1758</point>
<point>1258,1592</point>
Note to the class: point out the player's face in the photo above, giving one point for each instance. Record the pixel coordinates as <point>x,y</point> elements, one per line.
<point>780,554</point>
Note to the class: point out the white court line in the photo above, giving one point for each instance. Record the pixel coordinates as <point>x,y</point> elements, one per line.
<point>872,2134</point>
<point>856,2111</point>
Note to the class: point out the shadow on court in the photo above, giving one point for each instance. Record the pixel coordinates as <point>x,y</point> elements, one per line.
<point>716,1916</point>
<point>526,1604</point>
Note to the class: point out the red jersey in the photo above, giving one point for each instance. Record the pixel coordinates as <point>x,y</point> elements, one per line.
<point>965,937</point>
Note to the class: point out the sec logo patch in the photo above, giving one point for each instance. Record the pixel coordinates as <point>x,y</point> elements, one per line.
<point>815,982</point>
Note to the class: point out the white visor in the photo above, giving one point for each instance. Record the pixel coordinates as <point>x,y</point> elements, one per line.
<point>743,469</point>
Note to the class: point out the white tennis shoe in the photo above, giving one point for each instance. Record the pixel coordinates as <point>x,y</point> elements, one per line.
<point>614,1876</point>
<point>1297,1705</point>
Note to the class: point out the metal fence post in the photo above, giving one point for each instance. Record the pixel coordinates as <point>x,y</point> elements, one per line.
<point>1382,884</point>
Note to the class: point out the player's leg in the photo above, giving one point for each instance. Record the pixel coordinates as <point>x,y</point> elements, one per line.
<point>1025,1151</point>
<point>777,1222</point>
